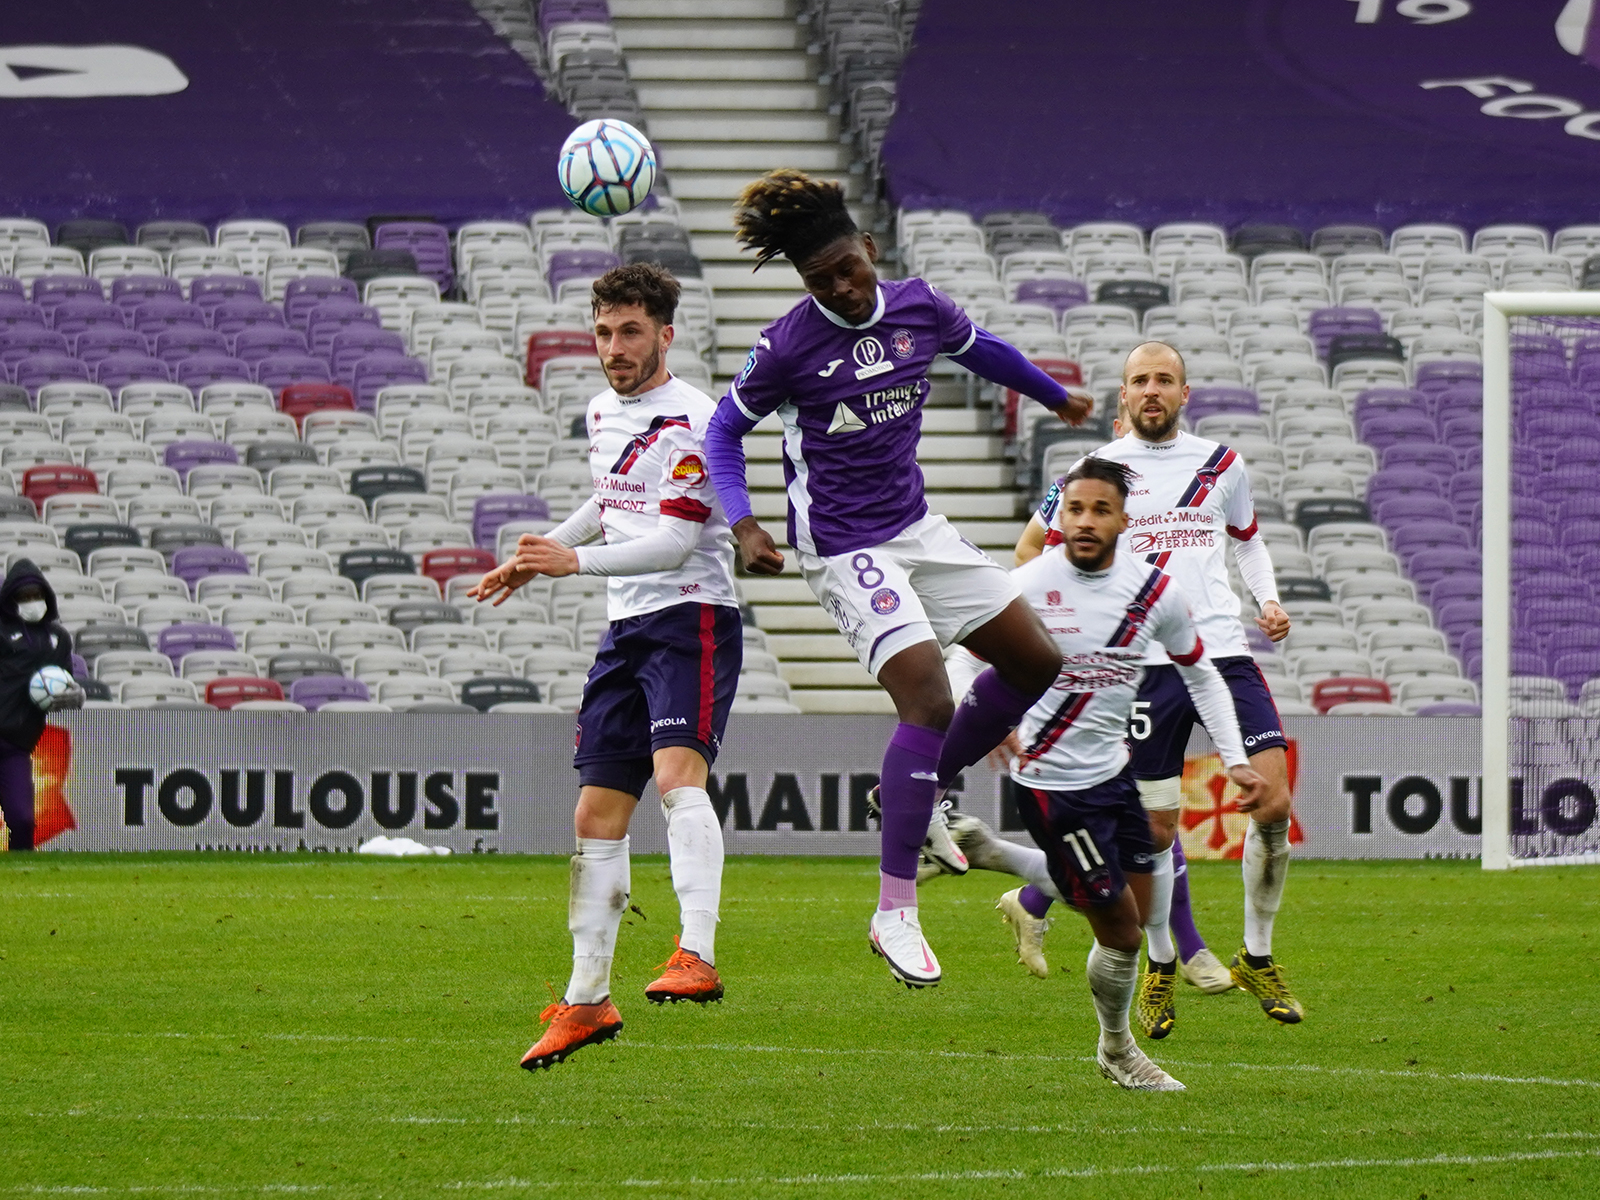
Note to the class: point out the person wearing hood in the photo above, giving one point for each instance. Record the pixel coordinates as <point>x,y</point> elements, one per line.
<point>31,637</point>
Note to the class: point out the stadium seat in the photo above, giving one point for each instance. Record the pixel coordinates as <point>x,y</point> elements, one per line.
<point>227,692</point>
<point>1328,693</point>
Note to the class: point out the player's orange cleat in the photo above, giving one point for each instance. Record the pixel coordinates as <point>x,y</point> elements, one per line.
<point>571,1028</point>
<point>687,977</point>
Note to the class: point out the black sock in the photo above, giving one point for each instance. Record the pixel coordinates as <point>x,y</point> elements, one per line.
<point>1161,968</point>
<point>1259,961</point>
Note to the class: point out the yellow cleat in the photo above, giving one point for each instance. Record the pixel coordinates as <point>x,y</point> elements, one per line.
<point>1267,985</point>
<point>1154,1005</point>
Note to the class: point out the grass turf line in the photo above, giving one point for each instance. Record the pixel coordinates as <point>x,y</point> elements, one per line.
<point>240,1024</point>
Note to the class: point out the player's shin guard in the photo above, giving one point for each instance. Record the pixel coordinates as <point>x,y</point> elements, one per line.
<point>1182,923</point>
<point>991,709</point>
<point>595,904</point>
<point>1266,864</point>
<point>1112,976</point>
<point>906,793</point>
<point>694,841</point>
<point>1157,932</point>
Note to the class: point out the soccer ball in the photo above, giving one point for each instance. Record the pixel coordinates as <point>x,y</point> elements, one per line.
<point>48,685</point>
<point>607,167</point>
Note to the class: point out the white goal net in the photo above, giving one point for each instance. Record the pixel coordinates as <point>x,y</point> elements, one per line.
<point>1539,646</point>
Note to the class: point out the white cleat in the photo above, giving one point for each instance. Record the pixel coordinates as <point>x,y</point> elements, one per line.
<point>976,840</point>
<point>895,935</point>
<point>1133,1070</point>
<point>939,847</point>
<point>1029,931</point>
<point>927,869</point>
<point>1206,972</point>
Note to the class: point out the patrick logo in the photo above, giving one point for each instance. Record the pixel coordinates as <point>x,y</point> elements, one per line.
<point>902,343</point>
<point>689,471</point>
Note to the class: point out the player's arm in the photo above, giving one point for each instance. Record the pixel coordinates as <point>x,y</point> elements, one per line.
<point>1036,533</point>
<point>1212,700</point>
<point>582,526</point>
<point>753,395</point>
<point>1000,362</point>
<point>1255,562</point>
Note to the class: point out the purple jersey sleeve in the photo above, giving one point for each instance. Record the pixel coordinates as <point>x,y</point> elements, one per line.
<point>757,391</point>
<point>1001,362</point>
<point>956,329</point>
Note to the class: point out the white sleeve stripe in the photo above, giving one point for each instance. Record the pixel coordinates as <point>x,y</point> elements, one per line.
<point>733,394</point>
<point>967,345</point>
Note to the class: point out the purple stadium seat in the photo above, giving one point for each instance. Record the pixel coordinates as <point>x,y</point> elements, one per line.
<point>175,345</point>
<point>302,297</point>
<point>1559,397</point>
<point>1579,508</point>
<point>278,371</point>
<point>1460,433</point>
<point>1396,511</point>
<point>21,316</point>
<point>115,370</point>
<point>1456,587</point>
<point>104,340</point>
<point>1325,324</point>
<point>378,371</point>
<point>1554,588</point>
<point>1529,558</point>
<point>577,264</point>
<point>349,346</point>
<point>1577,669</point>
<point>1532,508</point>
<point>133,290</point>
<point>1450,708</point>
<point>1577,538</point>
<point>1457,400</point>
<point>256,342</point>
<point>1580,452</point>
<point>1402,481</point>
<point>184,456</point>
<point>194,563</point>
<point>51,290</point>
<point>1428,535</point>
<point>429,244</point>
<point>1537,366</point>
<point>1388,401</point>
<point>1548,431</point>
<point>195,373</point>
<point>328,320</point>
<point>1209,401</point>
<point>1543,618</point>
<point>208,291</point>
<point>1441,460</point>
<point>316,690</point>
<point>1530,532</point>
<point>1427,567</point>
<point>77,313</point>
<point>19,342</point>
<point>1436,376</point>
<point>151,317</point>
<point>1459,616</point>
<point>562,12</point>
<point>36,370</point>
<point>1545,343</point>
<point>491,512</point>
<point>11,286</point>
<point>233,315</point>
<point>177,640</point>
<point>1058,294</point>
<point>1381,430</point>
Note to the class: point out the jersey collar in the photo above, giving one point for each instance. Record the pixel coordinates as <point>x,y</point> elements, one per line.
<point>877,314</point>
<point>1165,447</point>
<point>641,397</point>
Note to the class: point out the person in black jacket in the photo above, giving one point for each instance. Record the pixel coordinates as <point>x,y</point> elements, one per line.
<point>31,637</point>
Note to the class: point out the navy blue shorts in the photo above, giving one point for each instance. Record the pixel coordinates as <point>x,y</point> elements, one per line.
<point>664,679</point>
<point>1165,715</point>
<point>1091,839</point>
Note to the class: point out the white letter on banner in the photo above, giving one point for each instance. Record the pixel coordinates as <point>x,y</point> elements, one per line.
<point>1584,126</point>
<point>1543,107</point>
<point>44,72</point>
<point>1481,88</point>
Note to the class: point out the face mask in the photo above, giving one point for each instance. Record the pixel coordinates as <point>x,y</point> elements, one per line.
<point>33,611</point>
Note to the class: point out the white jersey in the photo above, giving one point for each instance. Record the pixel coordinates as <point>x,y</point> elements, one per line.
<point>647,456</point>
<point>1187,498</point>
<point>1075,736</point>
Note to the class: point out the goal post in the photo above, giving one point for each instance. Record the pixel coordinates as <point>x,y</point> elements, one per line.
<point>1539,759</point>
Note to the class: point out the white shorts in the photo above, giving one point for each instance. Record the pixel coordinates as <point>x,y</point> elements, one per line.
<point>928,584</point>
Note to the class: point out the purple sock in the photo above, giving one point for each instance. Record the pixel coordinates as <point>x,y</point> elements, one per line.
<point>992,708</point>
<point>905,793</point>
<point>1034,901</point>
<point>1181,922</point>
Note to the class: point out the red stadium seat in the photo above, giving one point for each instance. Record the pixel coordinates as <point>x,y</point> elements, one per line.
<point>442,566</point>
<point>224,693</point>
<point>1063,370</point>
<point>554,343</point>
<point>42,482</point>
<point>1350,689</point>
<point>298,399</point>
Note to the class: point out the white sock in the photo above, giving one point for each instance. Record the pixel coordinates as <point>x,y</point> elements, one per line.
<point>1157,931</point>
<point>595,904</point>
<point>1112,976</point>
<point>1025,862</point>
<point>694,841</point>
<point>1266,864</point>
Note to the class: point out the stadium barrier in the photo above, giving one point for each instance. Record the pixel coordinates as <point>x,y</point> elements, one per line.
<point>1366,787</point>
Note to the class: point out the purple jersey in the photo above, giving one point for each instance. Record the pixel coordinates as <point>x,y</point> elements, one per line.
<point>850,398</point>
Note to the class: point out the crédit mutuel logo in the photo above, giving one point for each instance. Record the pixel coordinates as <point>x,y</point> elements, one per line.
<point>1514,73</point>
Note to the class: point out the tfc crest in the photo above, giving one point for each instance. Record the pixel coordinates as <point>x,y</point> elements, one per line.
<point>902,343</point>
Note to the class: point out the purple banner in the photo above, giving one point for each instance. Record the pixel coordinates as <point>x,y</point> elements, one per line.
<point>294,110</point>
<point>1301,111</point>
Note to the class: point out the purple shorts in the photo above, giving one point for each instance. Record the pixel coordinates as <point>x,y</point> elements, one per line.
<point>1169,716</point>
<point>1092,839</point>
<point>664,679</point>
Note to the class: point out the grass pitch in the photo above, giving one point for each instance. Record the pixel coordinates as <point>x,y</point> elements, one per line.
<point>239,1025</point>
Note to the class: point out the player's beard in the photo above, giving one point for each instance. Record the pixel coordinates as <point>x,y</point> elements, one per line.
<point>1153,431</point>
<point>1104,554</point>
<point>627,386</point>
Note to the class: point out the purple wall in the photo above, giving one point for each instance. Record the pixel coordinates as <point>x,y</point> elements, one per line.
<point>295,110</point>
<point>1233,110</point>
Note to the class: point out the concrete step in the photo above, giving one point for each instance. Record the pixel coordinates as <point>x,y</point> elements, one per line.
<point>777,279</point>
<point>826,675</point>
<point>780,589</point>
<point>791,647</point>
<point>743,96</point>
<point>985,476</point>
<point>739,126</point>
<point>772,66</point>
<point>726,185</point>
<point>722,246</point>
<point>997,537</point>
<point>866,700</point>
<point>754,158</point>
<point>762,307</point>
<point>793,618</point>
<point>960,507</point>
<point>727,10</point>
<point>695,35</point>
<point>936,447</point>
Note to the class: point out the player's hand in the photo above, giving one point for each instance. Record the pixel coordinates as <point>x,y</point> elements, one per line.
<point>542,556</point>
<point>1252,787</point>
<point>497,585</point>
<point>1273,621</point>
<point>68,700</point>
<point>758,551</point>
<point>1080,403</point>
<point>1006,753</point>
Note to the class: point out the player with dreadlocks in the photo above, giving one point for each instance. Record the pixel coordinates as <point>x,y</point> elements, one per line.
<point>847,372</point>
